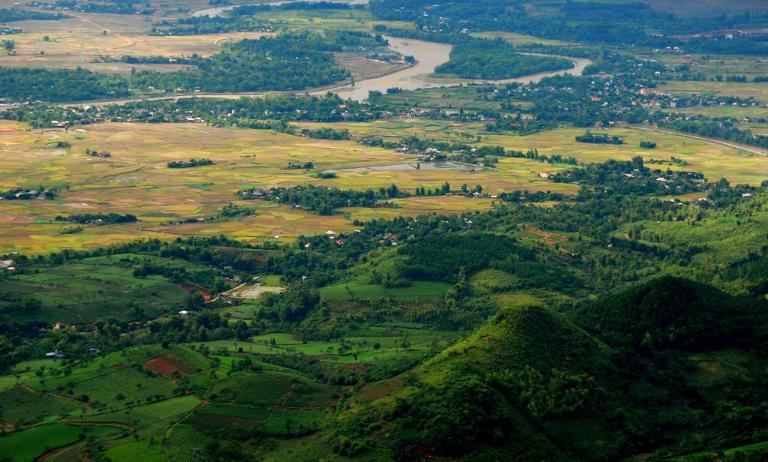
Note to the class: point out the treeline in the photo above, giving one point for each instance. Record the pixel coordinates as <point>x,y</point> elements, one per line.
<point>724,129</point>
<point>586,22</point>
<point>17,14</point>
<point>327,133</point>
<point>324,200</point>
<point>496,59</point>
<point>212,25</point>
<point>59,85</point>
<point>270,112</point>
<point>531,196</point>
<point>110,7</point>
<point>98,218</point>
<point>189,163</point>
<point>436,150</point>
<point>592,138</point>
<point>22,194</point>
<point>632,177</point>
<point>286,62</point>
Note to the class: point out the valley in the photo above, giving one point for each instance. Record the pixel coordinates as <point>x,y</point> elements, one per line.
<point>384,230</point>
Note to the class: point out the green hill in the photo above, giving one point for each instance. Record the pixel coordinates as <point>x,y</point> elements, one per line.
<point>675,313</point>
<point>532,385</point>
<point>487,392</point>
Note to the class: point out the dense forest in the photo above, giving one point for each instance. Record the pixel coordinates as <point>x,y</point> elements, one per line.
<point>286,62</point>
<point>17,14</point>
<point>495,60</point>
<point>59,85</point>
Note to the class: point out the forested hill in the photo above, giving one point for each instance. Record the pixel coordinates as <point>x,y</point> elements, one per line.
<point>532,385</point>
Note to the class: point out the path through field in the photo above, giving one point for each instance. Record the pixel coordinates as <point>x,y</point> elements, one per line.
<point>751,149</point>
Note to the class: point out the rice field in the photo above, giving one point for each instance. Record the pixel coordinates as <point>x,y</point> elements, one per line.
<point>136,180</point>
<point>759,91</point>
<point>180,202</point>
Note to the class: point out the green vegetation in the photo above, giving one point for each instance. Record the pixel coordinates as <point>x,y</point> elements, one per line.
<point>590,137</point>
<point>98,218</point>
<point>285,62</point>
<point>483,271</point>
<point>18,14</point>
<point>189,163</point>
<point>495,60</point>
<point>323,200</point>
<point>59,85</point>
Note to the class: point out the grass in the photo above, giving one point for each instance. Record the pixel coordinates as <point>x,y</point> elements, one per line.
<point>416,291</point>
<point>145,450</point>
<point>759,91</point>
<point>90,290</point>
<point>737,112</point>
<point>368,345</point>
<point>23,407</point>
<point>117,387</point>
<point>80,41</point>
<point>184,441</point>
<point>714,65</point>
<point>520,39</point>
<point>26,445</point>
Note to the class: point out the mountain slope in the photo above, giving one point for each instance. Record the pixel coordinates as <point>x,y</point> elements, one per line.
<point>532,385</point>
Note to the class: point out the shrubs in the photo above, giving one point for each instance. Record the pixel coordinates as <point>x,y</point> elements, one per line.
<point>590,137</point>
<point>189,163</point>
<point>323,200</point>
<point>98,219</point>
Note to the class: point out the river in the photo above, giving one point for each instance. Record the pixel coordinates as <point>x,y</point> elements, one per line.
<point>428,56</point>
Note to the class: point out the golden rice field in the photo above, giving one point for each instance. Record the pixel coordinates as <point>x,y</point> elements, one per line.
<point>85,39</point>
<point>714,160</point>
<point>136,180</point>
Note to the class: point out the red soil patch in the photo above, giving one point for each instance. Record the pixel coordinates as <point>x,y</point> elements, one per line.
<point>167,365</point>
<point>548,238</point>
<point>191,289</point>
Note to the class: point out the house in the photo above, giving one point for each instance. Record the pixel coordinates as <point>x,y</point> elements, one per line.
<point>57,354</point>
<point>652,92</point>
